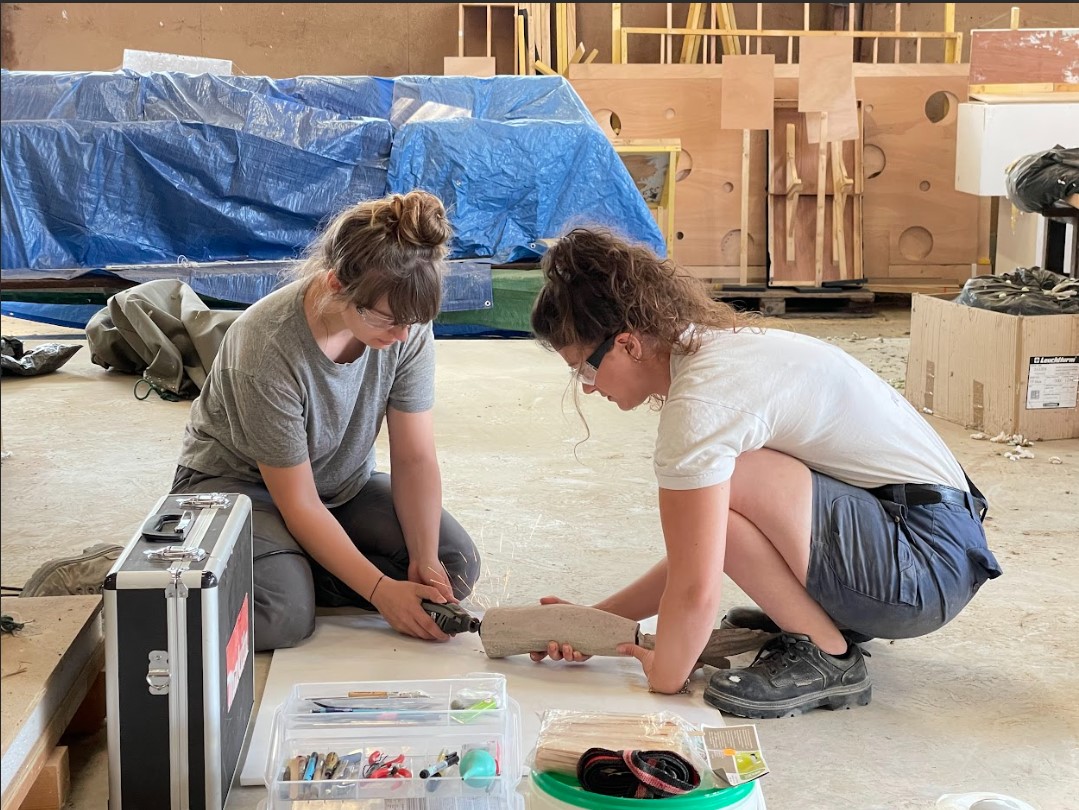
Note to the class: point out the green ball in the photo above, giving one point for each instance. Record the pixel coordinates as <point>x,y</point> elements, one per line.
<point>478,768</point>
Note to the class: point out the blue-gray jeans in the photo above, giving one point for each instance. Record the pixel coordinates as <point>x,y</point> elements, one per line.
<point>890,563</point>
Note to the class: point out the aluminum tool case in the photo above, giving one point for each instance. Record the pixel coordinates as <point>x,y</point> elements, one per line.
<point>178,654</point>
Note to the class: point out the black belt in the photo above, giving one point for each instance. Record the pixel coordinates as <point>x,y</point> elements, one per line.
<point>922,494</point>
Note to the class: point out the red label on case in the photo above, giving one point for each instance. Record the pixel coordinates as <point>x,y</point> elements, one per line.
<point>236,654</point>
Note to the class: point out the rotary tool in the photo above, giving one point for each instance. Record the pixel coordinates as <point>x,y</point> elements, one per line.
<point>451,618</point>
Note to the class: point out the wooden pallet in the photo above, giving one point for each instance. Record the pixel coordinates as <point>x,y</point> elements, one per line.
<point>799,303</point>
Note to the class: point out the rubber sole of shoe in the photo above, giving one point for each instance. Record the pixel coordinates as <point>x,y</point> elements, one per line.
<point>844,697</point>
<point>49,568</point>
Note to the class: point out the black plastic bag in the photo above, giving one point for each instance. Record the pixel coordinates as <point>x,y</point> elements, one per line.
<point>1032,291</point>
<point>41,359</point>
<point>1038,181</point>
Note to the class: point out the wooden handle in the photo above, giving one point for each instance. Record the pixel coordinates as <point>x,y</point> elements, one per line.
<point>516,630</point>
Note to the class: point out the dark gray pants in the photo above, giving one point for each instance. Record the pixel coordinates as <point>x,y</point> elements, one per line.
<point>289,584</point>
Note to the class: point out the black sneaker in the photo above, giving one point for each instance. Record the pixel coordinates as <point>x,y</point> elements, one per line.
<point>790,676</point>
<point>756,619</point>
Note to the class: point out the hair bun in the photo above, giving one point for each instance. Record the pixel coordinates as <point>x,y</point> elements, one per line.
<point>417,218</point>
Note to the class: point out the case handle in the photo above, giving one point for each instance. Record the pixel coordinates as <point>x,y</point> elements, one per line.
<point>168,526</point>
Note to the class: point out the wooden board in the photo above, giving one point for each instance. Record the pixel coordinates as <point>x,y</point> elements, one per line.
<point>785,112</point>
<point>50,789</point>
<point>47,669</point>
<point>841,124</point>
<point>707,212</point>
<point>826,73</point>
<point>482,66</point>
<point>801,271</point>
<point>1026,55</point>
<point>747,92</point>
<point>893,97</point>
<point>914,151</point>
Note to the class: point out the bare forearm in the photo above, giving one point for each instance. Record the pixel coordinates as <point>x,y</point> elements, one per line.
<point>685,624</point>
<point>417,498</point>
<point>321,536</point>
<point>641,598</point>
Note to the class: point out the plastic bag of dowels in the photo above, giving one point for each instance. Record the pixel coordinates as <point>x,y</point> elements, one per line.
<point>565,735</point>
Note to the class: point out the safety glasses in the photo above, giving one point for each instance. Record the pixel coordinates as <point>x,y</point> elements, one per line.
<point>588,370</point>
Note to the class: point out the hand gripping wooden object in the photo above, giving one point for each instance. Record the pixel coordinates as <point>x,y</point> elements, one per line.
<point>509,631</point>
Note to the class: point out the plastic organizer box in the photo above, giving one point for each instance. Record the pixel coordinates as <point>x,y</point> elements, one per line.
<point>451,744</point>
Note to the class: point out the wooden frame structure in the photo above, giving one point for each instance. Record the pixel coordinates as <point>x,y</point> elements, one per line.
<point>468,28</point>
<point>724,30</point>
<point>663,151</point>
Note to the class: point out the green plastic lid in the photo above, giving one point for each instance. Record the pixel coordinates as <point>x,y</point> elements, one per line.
<point>566,789</point>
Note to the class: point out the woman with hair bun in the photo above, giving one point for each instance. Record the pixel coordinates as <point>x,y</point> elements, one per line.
<point>782,462</point>
<point>290,412</point>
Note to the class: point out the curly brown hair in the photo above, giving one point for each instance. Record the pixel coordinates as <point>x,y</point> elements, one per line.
<point>597,284</point>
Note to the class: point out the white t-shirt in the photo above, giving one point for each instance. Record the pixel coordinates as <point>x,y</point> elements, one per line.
<point>795,394</point>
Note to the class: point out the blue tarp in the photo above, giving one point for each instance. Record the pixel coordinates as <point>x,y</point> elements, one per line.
<point>122,169</point>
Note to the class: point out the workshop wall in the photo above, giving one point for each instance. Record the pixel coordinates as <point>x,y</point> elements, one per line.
<point>386,39</point>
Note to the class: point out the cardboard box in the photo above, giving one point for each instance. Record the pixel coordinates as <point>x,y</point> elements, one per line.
<point>995,372</point>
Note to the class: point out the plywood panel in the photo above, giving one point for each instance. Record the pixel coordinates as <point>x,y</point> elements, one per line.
<point>47,669</point>
<point>481,66</point>
<point>748,92</point>
<point>800,270</point>
<point>268,39</point>
<point>826,73</point>
<point>1028,55</point>
<point>903,151</point>
<point>909,168</point>
<point>805,153</point>
<point>707,197</point>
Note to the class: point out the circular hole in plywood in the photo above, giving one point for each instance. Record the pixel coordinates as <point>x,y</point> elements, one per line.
<point>941,107</point>
<point>873,161</point>
<point>609,122</point>
<point>679,235</point>
<point>924,185</point>
<point>915,243</point>
<point>730,246</point>
<point>685,166</point>
<point>668,113</point>
<point>728,187</point>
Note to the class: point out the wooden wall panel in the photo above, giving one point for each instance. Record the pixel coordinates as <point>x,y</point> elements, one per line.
<point>707,202</point>
<point>912,213</point>
<point>264,39</point>
<point>905,225</point>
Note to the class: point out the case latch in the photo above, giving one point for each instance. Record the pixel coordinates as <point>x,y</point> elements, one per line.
<point>204,500</point>
<point>157,675</point>
<point>174,553</point>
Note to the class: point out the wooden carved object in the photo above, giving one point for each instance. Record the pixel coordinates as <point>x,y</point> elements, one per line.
<point>507,631</point>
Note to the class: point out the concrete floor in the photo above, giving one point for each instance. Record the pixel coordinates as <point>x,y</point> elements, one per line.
<point>988,703</point>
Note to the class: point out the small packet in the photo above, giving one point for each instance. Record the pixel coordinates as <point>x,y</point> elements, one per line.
<point>734,753</point>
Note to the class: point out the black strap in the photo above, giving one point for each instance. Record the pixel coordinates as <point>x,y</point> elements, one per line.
<point>981,503</point>
<point>636,774</point>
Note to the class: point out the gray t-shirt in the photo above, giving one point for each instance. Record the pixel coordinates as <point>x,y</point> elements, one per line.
<point>274,397</point>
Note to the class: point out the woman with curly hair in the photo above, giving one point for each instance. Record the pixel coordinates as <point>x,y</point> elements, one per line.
<point>781,461</point>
